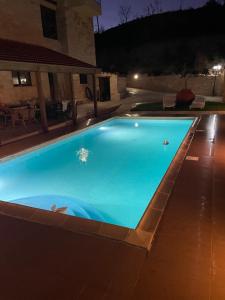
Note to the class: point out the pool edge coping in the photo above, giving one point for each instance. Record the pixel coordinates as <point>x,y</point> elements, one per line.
<point>142,236</point>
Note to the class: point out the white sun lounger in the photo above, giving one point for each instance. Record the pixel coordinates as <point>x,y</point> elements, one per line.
<point>199,102</point>
<point>169,101</point>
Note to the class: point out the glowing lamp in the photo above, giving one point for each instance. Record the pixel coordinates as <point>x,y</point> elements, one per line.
<point>217,68</point>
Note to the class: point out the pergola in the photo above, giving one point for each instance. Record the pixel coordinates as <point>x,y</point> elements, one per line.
<point>32,58</point>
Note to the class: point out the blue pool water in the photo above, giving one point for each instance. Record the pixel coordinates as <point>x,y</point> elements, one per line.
<point>107,173</point>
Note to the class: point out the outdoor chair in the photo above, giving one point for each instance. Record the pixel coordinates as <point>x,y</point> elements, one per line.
<point>18,115</point>
<point>10,116</point>
<point>2,118</point>
<point>24,114</point>
<point>32,113</point>
<point>65,104</point>
<point>199,103</point>
<point>169,101</point>
<point>5,115</point>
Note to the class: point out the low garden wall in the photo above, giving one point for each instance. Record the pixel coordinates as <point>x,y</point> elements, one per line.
<point>122,85</point>
<point>200,84</point>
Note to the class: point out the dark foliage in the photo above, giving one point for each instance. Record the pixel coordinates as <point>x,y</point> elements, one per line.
<point>174,42</point>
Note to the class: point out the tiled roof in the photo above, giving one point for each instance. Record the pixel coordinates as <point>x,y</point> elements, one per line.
<point>29,53</point>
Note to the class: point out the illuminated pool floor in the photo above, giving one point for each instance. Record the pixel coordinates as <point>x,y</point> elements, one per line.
<point>107,173</point>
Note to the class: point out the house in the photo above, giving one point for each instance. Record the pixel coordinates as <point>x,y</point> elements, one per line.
<point>47,52</point>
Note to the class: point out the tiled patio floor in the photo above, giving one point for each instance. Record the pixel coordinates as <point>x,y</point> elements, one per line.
<point>186,261</point>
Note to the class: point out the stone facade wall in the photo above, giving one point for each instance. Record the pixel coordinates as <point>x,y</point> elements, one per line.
<point>77,35</point>
<point>115,95</point>
<point>63,87</point>
<point>79,89</point>
<point>10,94</point>
<point>122,85</point>
<point>201,84</point>
<point>21,21</point>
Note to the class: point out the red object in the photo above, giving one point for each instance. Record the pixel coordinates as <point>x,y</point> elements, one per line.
<point>185,97</point>
<point>23,52</point>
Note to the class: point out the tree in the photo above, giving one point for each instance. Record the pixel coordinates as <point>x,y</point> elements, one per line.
<point>213,3</point>
<point>181,4</point>
<point>154,7</point>
<point>99,28</point>
<point>201,63</point>
<point>124,13</point>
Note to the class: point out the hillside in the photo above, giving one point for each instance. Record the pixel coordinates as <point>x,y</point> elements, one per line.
<point>172,42</point>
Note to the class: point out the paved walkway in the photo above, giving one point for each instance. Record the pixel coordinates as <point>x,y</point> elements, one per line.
<point>134,96</point>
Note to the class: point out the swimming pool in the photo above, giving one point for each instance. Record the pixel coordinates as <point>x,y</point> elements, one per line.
<point>107,173</point>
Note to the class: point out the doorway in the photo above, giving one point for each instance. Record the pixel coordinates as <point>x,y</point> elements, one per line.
<point>104,87</point>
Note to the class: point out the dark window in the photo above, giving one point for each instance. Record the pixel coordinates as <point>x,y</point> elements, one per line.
<point>83,79</point>
<point>21,78</point>
<point>49,25</point>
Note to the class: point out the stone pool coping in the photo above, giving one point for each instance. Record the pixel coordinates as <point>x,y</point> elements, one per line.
<point>142,236</point>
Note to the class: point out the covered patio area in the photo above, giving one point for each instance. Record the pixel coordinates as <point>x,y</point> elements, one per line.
<point>42,92</point>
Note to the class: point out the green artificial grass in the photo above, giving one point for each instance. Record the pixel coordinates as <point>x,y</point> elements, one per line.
<point>157,106</point>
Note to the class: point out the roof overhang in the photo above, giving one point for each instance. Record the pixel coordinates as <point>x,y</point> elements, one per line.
<point>16,55</point>
<point>32,67</point>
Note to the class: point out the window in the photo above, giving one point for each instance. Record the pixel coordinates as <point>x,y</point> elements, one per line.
<point>21,78</point>
<point>49,25</point>
<point>83,79</point>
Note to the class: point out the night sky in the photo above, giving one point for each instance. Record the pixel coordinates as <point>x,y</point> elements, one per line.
<point>110,8</point>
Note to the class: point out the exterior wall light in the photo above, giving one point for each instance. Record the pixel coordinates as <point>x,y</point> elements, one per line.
<point>217,68</point>
<point>216,71</point>
<point>136,76</point>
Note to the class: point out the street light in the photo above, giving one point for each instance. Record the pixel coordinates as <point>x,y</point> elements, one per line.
<point>136,76</point>
<point>216,71</point>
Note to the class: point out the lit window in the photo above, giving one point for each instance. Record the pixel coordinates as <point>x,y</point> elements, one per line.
<point>83,79</point>
<point>21,78</point>
<point>49,24</point>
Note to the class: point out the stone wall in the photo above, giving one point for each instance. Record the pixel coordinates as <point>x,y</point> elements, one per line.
<point>10,94</point>
<point>79,89</point>
<point>21,21</point>
<point>122,85</point>
<point>201,84</point>
<point>115,95</point>
<point>77,36</point>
